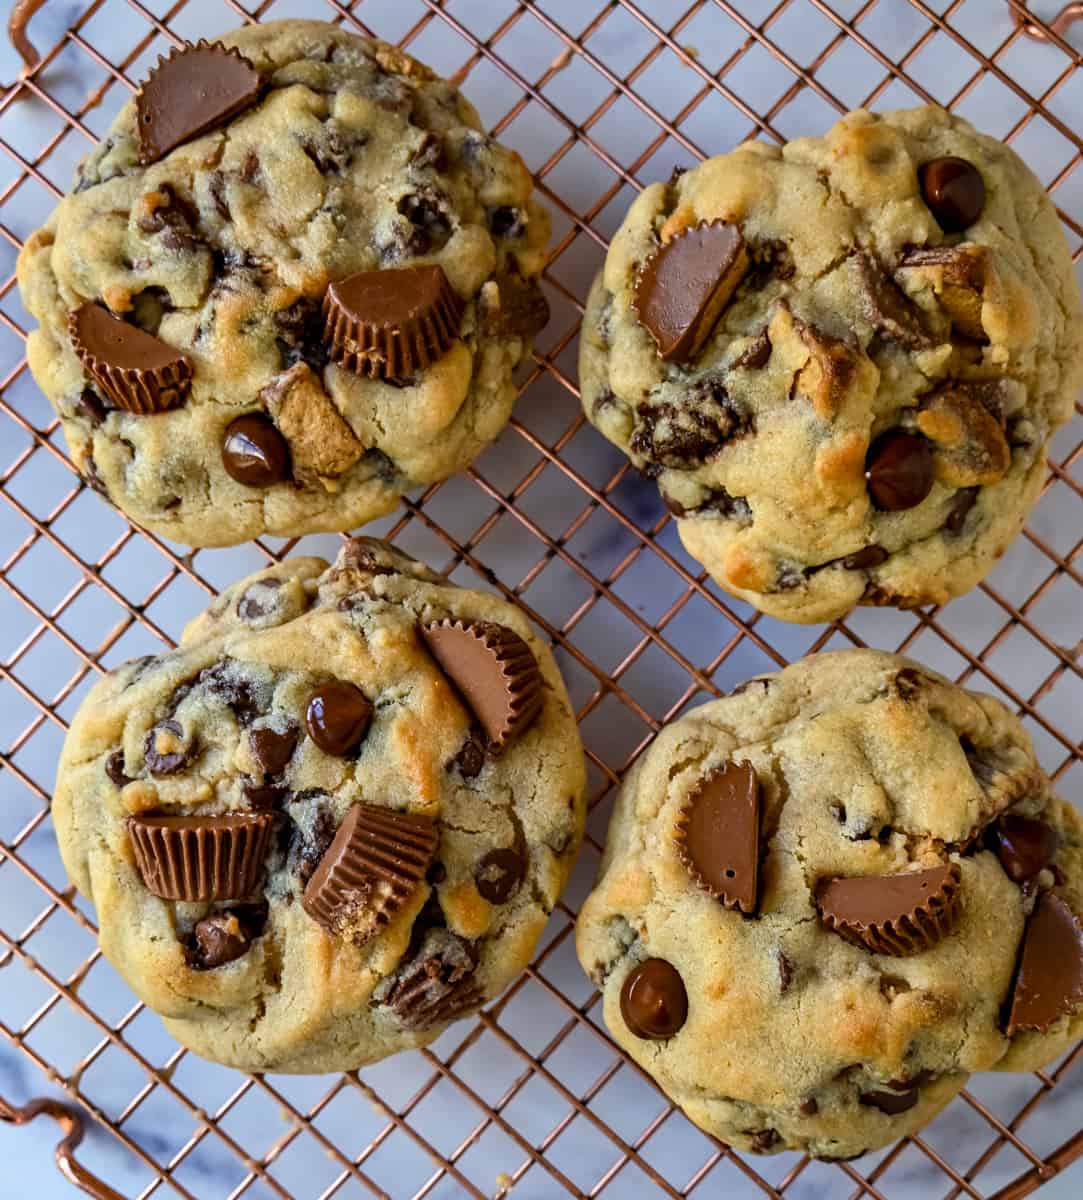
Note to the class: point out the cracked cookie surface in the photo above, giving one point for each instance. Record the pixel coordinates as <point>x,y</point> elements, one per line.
<point>854,316</point>
<point>778,1029</point>
<point>304,695</point>
<point>353,158</point>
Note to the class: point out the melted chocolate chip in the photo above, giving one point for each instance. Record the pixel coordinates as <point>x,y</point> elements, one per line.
<point>254,452</point>
<point>862,560</point>
<point>954,191</point>
<point>432,228</point>
<point>217,940</point>
<point>264,797</point>
<point>114,768</point>
<point>165,749</point>
<point>653,1000</point>
<point>272,749</point>
<point>960,509</point>
<point>785,973</point>
<point>892,1103</point>
<point>225,681</point>
<point>764,1140</point>
<point>471,758</point>
<point>91,407</point>
<point>1024,846</point>
<point>258,599</point>
<point>688,435</point>
<point>809,1107</point>
<point>305,852</point>
<point>337,717</point>
<point>300,335</point>
<point>499,874</point>
<point>899,470</point>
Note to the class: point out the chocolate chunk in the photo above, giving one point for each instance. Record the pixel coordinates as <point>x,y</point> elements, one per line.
<point>201,858</point>
<point>899,915</point>
<point>134,369</point>
<point>653,1000</point>
<point>969,446</point>
<point>272,749</point>
<point>114,768</point>
<point>254,452</point>
<point>809,1107</point>
<point>960,509</point>
<point>1049,980</point>
<point>521,309</point>
<point>718,835</point>
<point>430,154</point>
<point>755,355</point>
<point>471,758</point>
<point>1024,846</point>
<point>306,849</point>
<point>888,308</point>
<point>374,864</point>
<point>190,92</point>
<point>958,275</point>
<point>954,190</point>
<point>437,984</point>
<point>683,287</point>
<point>169,213</point>
<point>391,324</point>
<point>166,749</point>
<point>337,717</point>
<point>864,559</point>
<point>264,797</point>
<point>899,471</point>
<point>892,1103</point>
<point>499,874</point>
<point>495,672</point>
<point>424,209</point>
<point>217,940</point>
<point>90,406</point>
<point>226,681</point>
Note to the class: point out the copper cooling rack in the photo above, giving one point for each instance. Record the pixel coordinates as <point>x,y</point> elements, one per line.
<point>531,1098</point>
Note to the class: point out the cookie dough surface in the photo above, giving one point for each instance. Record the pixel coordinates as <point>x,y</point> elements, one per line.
<point>839,332</point>
<point>868,764</point>
<point>191,732</point>
<point>354,158</point>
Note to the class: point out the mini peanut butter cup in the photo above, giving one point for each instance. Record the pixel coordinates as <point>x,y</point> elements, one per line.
<point>190,92</point>
<point>201,858</point>
<point>494,670</point>
<point>391,324</point>
<point>375,862</point>
<point>681,290</point>
<point>898,915</point>
<point>137,371</point>
<point>718,835</point>
<point>1049,980</point>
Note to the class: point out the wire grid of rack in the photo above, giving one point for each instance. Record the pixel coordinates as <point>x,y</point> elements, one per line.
<point>531,1097</point>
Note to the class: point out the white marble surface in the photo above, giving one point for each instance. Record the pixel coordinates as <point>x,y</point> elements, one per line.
<point>64,1035</point>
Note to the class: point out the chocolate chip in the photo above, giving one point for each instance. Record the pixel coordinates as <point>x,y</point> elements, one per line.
<point>217,940</point>
<point>272,749</point>
<point>334,153</point>
<point>471,758</point>
<point>954,190</point>
<point>1024,846</point>
<point>764,1139</point>
<point>653,1000</point>
<point>436,874</point>
<point>254,452</point>
<point>809,1107</point>
<point>960,509</point>
<point>225,681</point>
<point>430,154</point>
<point>114,768</point>
<point>165,748</point>
<point>899,470</point>
<point>499,874</point>
<point>785,972</point>
<point>687,435</point>
<point>432,227</point>
<point>264,797</point>
<point>908,683</point>
<point>892,1103</point>
<point>337,717</point>
<point>91,407</point>
<point>300,335</point>
<point>755,355</point>
<point>259,599</point>
<point>862,560</point>
<point>507,222</point>
<point>175,219</point>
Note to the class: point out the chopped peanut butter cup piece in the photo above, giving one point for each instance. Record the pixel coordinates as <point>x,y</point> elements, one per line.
<point>373,866</point>
<point>189,93</point>
<point>494,670</point>
<point>718,835</point>
<point>137,371</point>
<point>1049,982</point>
<point>391,324</point>
<point>958,275</point>
<point>437,984</point>
<point>970,448</point>
<point>899,915</point>
<point>201,858</point>
<point>681,290</point>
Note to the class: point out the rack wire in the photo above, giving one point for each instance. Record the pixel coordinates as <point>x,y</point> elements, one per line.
<point>531,1098</point>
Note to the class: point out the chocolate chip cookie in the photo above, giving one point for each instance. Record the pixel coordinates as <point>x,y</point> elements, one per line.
<point>334,819</point>
<point>842,359</point>
<point>829,897</point>
<point>293,282</point>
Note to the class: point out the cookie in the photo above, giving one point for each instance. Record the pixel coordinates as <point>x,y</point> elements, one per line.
<point>293,282</point>
<point>828,898</point>
<point>306,847</point>
<point>842,359</point>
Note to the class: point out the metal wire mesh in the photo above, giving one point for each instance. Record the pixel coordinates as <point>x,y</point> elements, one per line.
<point>586,90</point>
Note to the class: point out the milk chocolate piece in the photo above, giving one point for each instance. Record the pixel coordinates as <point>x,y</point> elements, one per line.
<point>1049,982</point>
<point>391,324</point>
<point>899,470</point>
<point>138,372</point>
<point>681,290</point>
<point>494,670</point>
<point>1024,846</point>
<point>189,93</point>
<point>653,1000</point>
<point>718,835</point>
<point>958,275</point>
<point>372,867</point>
<point>337,717</point>
<point>201,858</point>
<point>954,190</point>
<point>898,915</point>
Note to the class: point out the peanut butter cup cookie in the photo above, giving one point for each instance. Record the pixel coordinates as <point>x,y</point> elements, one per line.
<point>293,282</point>
<point>842,359</point>
<point>828,898</point>
<point>334,819</point>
